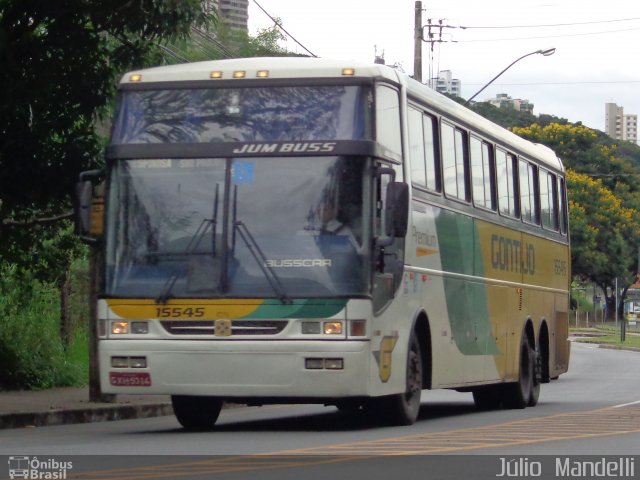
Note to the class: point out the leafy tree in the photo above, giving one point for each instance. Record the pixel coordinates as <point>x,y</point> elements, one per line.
<point>604,235</point>
<point>604,201</point>
<point>60,60</point>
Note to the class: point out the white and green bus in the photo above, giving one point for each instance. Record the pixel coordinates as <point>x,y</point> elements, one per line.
<point>297,230</point>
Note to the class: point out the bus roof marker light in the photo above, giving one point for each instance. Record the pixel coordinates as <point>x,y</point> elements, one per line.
<point>348,72</point>
<point>216,74</point>
<point>239,74</point>
<point>262,74</point>
<point>136,77</point>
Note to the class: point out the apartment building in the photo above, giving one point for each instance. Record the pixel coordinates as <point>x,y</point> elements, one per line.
<point>233,13</point>
<point>445,83</point>
<point>619,125</point>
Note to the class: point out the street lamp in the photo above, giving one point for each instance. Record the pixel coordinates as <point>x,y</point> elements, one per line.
<point>546,52</point>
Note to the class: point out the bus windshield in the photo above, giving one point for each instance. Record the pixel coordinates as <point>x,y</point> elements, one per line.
<point>251,227</point>
<point>249,114</point>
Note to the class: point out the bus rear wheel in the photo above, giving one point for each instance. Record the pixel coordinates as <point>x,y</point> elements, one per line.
<point>526,390</point>
<point>196,413</point>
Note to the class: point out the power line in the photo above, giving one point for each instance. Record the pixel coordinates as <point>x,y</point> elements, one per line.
<point>279,25</point>
<point>548,36</point>
<point>586,82</point>
<point>552,24</point>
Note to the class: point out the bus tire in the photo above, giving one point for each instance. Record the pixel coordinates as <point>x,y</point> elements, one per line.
<point>519,394</point>
<point>536,380</point>
<point>403,408</point>
<point>196,413</point>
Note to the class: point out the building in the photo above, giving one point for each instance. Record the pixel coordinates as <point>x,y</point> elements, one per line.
<point>503,100</point>
<point>444,83</point>
<point>619,125</point>
<point>232,13</point>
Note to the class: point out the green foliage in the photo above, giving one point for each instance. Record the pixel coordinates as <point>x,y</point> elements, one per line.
<point>60,62</point>
<point>32,354</point>
<point>509,117</point>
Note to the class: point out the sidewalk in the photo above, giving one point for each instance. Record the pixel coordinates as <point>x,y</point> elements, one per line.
<point>59,406</point>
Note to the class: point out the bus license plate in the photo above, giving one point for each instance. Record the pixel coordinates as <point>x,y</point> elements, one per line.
<point>130,379</point>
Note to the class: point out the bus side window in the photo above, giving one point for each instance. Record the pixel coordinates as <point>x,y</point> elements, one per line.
<point>388,120</point>
<point>549,200</point>
<point>562,193</point>
<point>429,125</point>
<point>528,190</point>
<point>505,165</point>
<point>417,148</point>
<point>482,168</point>
<point>454,164</point>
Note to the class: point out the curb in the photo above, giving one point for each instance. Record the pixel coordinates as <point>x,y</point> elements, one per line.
<point>84,415</point>
<point>618,347</point>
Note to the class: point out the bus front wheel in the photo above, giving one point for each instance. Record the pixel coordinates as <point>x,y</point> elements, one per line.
<point>403,408</point>
<point>196,413</point>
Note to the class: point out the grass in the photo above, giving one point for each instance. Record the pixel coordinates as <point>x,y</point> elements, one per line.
<point>32,353</point>
<point>608,335</point>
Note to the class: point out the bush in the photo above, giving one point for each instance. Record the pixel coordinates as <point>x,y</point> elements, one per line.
<point>32,354</point>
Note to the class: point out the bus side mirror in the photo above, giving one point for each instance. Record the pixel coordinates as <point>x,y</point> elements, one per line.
<point>88,207</point>
<point>397,209</point>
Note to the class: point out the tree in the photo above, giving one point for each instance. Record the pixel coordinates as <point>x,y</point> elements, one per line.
<point>603,203</point>
<point>60,60</point>
<point>604,235</point>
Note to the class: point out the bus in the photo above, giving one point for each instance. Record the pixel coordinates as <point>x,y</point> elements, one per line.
<point>445,263</point>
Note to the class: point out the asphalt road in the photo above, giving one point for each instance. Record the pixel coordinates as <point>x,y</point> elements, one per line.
<point>592,410</point>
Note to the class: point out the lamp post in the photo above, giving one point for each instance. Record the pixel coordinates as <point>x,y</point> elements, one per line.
<point>546,52</point>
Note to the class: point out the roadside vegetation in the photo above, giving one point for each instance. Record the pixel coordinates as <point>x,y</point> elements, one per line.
<point>608,335</point>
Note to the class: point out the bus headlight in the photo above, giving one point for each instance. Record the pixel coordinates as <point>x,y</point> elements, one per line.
<point>332,328</point>
<point>119,328</point>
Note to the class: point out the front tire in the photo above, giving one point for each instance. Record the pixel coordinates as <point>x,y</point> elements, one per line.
<point>403,408</point>
<point>196,413</point>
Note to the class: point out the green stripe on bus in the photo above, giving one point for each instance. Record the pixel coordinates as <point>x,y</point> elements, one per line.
<point>467,302</point>
<point>300,308</point>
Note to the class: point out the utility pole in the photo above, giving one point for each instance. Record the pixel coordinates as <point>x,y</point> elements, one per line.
<point>417,54</point>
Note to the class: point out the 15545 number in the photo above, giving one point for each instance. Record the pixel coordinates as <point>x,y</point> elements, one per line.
<point>180,312</point>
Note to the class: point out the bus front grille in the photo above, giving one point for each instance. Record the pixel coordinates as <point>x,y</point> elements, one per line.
<point>238,327</point>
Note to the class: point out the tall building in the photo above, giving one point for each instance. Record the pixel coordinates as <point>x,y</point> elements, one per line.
<point>619,125</point>
<point>233,13</point>
<point>444,83</point>
<point>503,100</point>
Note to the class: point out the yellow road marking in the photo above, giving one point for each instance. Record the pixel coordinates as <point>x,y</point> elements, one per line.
<point>564,426</point>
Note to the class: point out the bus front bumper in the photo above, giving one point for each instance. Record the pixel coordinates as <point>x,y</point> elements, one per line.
<point>241,369</point>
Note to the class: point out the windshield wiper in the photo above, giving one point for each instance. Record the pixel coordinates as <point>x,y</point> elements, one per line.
<point>260,258</point>
<point>256,252</point>
<point>191,247</point>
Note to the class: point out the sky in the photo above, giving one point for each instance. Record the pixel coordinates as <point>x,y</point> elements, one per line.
<point>596,59</point>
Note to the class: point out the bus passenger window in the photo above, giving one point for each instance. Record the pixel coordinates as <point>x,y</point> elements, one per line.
<point>505,165</point>
<point>528,203</point>
<point>429,126</point>
<point>563,206</point>
<point>482,173</point>
<point>416,148</point>
<point>548,200</point>
<point>453,162</point>
<point>388,119</point>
